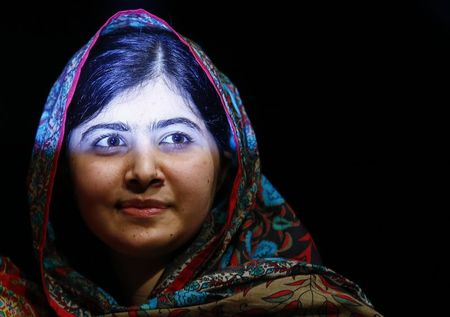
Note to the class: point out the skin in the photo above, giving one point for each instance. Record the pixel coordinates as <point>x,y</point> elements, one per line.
<point>177,164</point>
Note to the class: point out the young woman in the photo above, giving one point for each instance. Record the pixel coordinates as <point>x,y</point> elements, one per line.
<point>147,197</point>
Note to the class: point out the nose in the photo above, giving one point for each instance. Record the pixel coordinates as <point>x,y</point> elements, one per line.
<point>142,171</point>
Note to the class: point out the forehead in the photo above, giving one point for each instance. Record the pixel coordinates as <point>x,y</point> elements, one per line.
<point>153,100</point>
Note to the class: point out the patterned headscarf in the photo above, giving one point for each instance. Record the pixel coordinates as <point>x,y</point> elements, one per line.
<point>252,254</point>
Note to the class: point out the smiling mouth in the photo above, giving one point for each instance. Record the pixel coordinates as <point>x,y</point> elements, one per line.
<point>142,212</point>
<point>142,208</point>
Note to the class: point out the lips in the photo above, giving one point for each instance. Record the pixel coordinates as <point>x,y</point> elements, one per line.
<point>142,208</point>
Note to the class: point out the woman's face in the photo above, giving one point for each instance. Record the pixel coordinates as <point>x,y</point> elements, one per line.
<point>144,171</point>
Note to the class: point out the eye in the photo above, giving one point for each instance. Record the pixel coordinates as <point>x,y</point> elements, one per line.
<point>108,141</point>
<point>177,139</point>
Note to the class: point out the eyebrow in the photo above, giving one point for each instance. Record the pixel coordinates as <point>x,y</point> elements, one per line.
<point>120,126</point>
<point>180,120</point>
<point>116,126</point>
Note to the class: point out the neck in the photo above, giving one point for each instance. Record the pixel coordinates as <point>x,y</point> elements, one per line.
<point>136,276</point>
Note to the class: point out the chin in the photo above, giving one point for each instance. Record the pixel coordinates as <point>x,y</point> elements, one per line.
<point>144,249</point>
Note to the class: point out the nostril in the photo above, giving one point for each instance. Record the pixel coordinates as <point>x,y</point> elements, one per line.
<point>156,182</point>
<point>135,186</point>
<point>139,186</point>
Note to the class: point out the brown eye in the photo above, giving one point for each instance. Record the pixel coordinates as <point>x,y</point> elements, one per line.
<point>109,141</point>
<point>113,141</point>
<point>177,140</point>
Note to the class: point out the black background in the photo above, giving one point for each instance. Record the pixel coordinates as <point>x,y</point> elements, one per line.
<point>345,99</point>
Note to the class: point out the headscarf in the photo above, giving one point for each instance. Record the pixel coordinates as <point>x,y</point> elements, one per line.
<point>252,256</point>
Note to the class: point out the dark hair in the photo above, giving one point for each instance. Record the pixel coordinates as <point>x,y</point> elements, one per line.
<point>128,57</point>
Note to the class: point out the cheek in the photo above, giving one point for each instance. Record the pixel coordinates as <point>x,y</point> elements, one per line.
<point>198,174</point>
<point>94,181</point>
<point>194,180</point>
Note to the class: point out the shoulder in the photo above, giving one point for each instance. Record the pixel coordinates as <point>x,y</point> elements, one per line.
<point>18,295</point>
<point>304,294</point>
